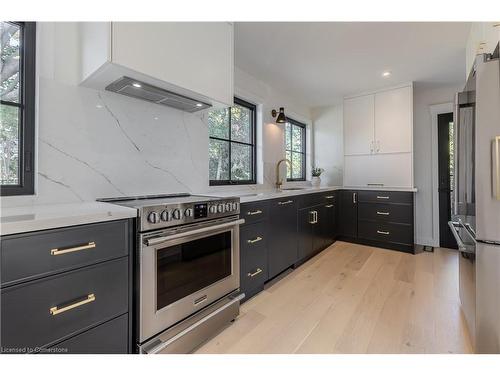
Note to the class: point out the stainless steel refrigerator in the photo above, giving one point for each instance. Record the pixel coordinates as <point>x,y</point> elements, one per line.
<point>476,206</point>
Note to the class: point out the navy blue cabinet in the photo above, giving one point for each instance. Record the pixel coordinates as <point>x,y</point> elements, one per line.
<point>66,288</point>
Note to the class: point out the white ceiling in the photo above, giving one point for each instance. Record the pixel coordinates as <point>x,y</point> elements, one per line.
<point>319,63</point>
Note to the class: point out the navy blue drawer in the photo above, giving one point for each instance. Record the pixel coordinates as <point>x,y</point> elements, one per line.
<point>42,312</point>
<point>38,254</point>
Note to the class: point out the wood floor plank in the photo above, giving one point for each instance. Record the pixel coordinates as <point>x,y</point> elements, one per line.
<point>354,299</point>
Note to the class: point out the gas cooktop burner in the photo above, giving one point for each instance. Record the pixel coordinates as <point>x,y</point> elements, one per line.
<point>168,210</point>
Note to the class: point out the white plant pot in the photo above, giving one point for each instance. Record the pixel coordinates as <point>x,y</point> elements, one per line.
<point>316,181</point>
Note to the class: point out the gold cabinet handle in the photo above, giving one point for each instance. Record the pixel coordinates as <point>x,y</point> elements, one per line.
<point>256,212</point>
<point>382,232</point>
<point>250,274</point>
<point>56,310</point>
<point>329,197</point>
<point>90,245</point>
<point>256,239</point>
<point>383,213</point>
<point>382,197</point>
<point>285,202</point>
<point>329,206</point>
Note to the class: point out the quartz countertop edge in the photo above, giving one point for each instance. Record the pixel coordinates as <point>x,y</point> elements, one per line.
<point>32,218</point>
<point>246,196</point>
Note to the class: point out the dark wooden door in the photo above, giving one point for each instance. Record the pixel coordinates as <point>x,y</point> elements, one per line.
<point>320,230</point>
<point>329,224</point>
<point>445,156</point>
<point>305,233</point>
<point>282,245</point>
<point>348,214</point>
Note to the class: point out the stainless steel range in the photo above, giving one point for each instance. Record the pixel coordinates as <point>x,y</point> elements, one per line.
<point>187,269</point>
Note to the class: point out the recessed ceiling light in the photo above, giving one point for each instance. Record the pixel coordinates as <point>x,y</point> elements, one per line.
<point>386,74</point>
<point>135,84</point>
<point>156,118</point>
<point>98,106</point>
<point>199,105</point>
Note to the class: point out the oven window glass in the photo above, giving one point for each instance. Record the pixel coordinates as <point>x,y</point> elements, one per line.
<point>188,267</point>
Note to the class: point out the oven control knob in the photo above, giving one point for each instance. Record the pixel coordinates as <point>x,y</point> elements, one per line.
<point>165,216</point>
<point>153,217</point>
<point>220,208</point>
<point>228,207</point>
<point>188,212</point>
<point>213,209</point>
<point>176,214</point>
<point>234,206</point>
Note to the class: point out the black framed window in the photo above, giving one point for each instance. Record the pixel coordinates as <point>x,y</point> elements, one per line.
<point>17,107</point>
<point>232,144</point>
<point>295,146</point>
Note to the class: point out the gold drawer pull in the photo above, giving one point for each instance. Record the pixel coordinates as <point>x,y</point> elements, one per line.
<point>383,213</point>
<point>285,202</point>
<point>329,197</point>
<point>90,245</point>
<point>257,239</point>
<point>329,206</point>
<point>382,232</point>
<point>256,212</point>
<point>382,197</point>
<point>255,273</point>
<point>56,310</point>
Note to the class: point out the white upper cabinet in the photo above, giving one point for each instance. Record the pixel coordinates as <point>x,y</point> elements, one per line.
<point>393,120</point>
<point>378,138</point>
<point>194,59</point>
<point>359,125</point>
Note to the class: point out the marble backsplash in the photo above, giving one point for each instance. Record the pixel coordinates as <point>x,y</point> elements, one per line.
<point>94,144</point>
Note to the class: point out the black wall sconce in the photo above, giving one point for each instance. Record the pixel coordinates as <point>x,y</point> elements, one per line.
<point>281,119</point>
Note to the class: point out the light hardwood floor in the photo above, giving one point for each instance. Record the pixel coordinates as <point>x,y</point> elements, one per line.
<point>355,299</point>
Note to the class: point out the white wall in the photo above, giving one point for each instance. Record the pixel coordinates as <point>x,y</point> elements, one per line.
<point>328,143</point>
<point>424,96</point>
<point>93,144</point>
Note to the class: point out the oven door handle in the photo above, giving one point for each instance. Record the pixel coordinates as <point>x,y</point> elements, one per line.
<point>211,228</point>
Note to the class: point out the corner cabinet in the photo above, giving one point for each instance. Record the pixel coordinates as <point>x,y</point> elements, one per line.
<point>194,59</point>
<point>378,138</point>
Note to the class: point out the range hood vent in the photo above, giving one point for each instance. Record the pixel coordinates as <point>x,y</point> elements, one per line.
<point>144,91</point>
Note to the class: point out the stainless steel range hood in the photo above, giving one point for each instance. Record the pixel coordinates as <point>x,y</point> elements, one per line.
<point>144,91</point>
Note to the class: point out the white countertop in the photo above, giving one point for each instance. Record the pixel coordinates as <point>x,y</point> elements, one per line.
<point>246,196</point>
<point>39,217</point>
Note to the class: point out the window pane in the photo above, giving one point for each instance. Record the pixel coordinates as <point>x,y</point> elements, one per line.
<point>241,162</point>
<point>218,163</point>
<point>241,124</point>
<point>218,123</point>
<point>288,141</point>
<point>9,144</point>
<point>296,165</point>
<point>10,62</point>
<point>288,170</point>
<point>296,138</point>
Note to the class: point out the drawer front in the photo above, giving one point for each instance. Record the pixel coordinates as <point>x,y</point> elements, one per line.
<point>386,232</point>
<point>395,213</point>
<point>108,338</point>
<point>39,254</point>
<point>253,212</point>
<point>315,199</point>
<point>252,280</point>
<point>41,312</point>
<point>385,196</point>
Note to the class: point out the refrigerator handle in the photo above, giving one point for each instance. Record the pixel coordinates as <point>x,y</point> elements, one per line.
<point>461,246</point>
<point>495,173</point>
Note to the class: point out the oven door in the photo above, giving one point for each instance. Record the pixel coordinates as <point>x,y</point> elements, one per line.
<point>184,270</point>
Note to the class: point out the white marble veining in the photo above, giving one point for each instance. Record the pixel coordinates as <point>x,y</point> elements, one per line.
<point>39,217</point>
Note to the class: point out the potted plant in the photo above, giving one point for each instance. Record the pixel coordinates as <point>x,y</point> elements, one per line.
<point>316,173</point>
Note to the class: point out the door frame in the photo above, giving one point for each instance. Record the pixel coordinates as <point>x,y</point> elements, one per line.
<point>436,110</point>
